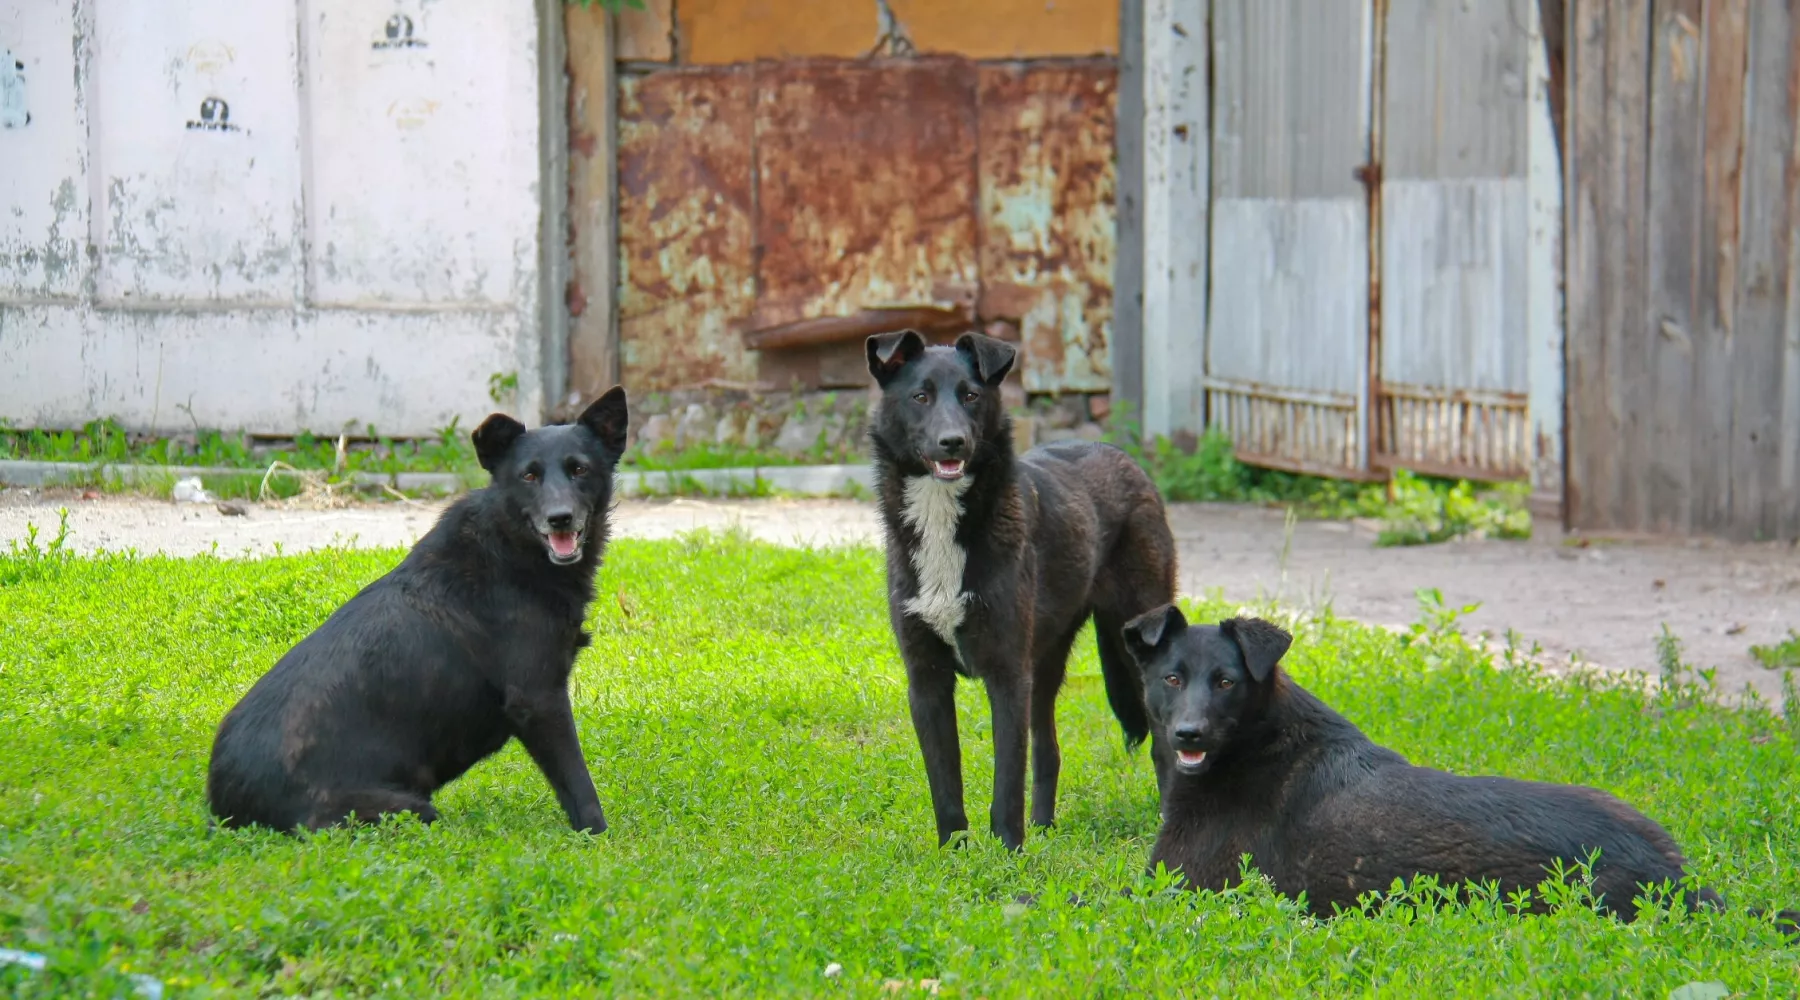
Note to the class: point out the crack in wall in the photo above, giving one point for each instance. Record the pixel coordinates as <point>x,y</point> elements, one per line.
<point>892,38</point>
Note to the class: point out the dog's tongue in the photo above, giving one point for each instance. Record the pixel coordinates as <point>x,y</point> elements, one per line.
<point>563,543</point>
<point>1191,756</point>
<point>950,468</point>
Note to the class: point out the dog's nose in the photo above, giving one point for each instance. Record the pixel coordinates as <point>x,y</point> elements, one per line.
<point>1188,734</point>
<point>561,521</point>
<point>952,443</point>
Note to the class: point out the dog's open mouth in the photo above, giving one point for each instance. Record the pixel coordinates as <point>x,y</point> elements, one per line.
<point>948,470</point>
<point>565,546</point>
<point>1190,759</point>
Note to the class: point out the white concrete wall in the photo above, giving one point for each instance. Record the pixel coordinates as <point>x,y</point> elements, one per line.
<point>271,216</point>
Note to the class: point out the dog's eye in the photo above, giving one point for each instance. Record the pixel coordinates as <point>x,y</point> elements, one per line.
<point>578,471</point>
<point>1173,680</point>
<point>530,476</point>
<point>1225,682</point>
<point>920,397</point>
<point>970,395</point>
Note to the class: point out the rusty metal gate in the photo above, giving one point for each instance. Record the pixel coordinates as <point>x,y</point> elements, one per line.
<point>1369,244</point>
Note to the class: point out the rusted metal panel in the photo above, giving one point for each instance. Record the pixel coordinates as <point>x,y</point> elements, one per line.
<point>685,225</point>
<point>1009,29</point>
<point>43,142</point>
<point>647,33</point>
<point>866,187</point>
<point>1047,240</point>
<point>1287,343</point>
<point>195,118</point>
<point>736,31</point>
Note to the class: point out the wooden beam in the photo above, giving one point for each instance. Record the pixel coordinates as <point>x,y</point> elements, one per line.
<point>593,208</point>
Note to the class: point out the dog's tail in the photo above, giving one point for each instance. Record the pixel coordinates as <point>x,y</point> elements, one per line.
<point>1124,682</point>
<point>1786,921</point>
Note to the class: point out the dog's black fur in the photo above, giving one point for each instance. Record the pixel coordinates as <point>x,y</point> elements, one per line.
<point>1264,768</point>
<point>1067,531</point>
<point>434,666</point>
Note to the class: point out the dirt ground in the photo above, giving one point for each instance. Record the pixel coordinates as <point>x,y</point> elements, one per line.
<point>1603,602</point>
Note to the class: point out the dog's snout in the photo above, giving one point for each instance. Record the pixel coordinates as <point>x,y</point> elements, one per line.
<point>561,520</point>
<point>953,444</point>
<point>1189,732</point>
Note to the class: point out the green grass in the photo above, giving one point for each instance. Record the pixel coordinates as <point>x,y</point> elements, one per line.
<point>1779,655</point>
<point>744,712</point>
<point>449,450</point>
<point>1412,509</point>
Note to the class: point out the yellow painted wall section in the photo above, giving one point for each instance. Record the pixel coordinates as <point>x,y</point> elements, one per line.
<point>1011,29</point>
<point>729,31</point>
<point>645,34</point>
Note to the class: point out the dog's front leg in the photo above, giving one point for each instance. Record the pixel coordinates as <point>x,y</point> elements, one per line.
<point>931,694</point>
<point>1009,699</point>
<point>545,723</point>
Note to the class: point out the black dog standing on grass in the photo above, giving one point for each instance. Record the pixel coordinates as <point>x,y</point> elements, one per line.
<point>464,645</point>
<point>995,563</point>
<point>1266,769</point>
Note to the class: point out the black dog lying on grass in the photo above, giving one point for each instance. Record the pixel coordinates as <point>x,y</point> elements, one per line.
<point>1266,769</point>
<point>994,563</point>
<point>464,645</point>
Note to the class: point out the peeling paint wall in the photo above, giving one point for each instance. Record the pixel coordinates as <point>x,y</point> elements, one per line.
<point>770,172</point>
<point>275,217</point>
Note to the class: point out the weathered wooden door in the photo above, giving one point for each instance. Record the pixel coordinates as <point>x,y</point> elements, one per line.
<point>1287,355</point>
<point>1369,304</point>
<point>1453,218</point>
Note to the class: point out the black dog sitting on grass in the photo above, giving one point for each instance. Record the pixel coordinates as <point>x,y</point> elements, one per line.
<point>463,646</point>
<point>1263,768</point>
<point>994,563</point>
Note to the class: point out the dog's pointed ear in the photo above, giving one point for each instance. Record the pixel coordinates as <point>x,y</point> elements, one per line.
<point>607,419</point>
<point>993,358</point>
<point>889,352</point>
<point>1262,643</point>
<point>1153,630</point>
<point>494,438</point>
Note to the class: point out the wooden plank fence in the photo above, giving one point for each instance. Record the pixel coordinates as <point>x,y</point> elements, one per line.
<point>1683,276</point>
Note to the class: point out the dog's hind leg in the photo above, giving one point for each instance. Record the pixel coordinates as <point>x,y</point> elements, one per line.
<point>1052,662</point>
<point>368,805</point>
<point>1125,691</point>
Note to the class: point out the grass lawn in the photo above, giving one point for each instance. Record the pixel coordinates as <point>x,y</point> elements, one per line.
<point>744,711</point>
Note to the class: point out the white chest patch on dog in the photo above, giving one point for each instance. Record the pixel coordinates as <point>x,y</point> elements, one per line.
<point>932,508</point>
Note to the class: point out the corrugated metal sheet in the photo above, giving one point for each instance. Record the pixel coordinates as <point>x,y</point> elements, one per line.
<point>1454,240</point>
<point>1047,217</point>
<point>686,268</point>
<point>1287,351</point>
